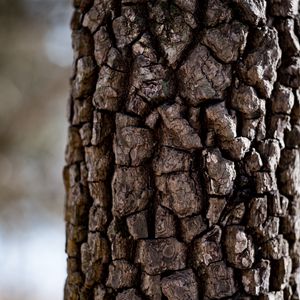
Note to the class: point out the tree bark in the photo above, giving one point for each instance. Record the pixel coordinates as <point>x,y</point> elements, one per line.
<point>183,165</point>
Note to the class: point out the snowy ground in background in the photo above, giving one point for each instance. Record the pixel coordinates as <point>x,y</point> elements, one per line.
<point>33,264</point>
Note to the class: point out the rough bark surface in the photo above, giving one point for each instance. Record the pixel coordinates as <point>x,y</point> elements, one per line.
<point>183,164</point>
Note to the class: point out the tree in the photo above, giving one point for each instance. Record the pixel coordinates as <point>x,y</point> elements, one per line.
<point>182,164</point>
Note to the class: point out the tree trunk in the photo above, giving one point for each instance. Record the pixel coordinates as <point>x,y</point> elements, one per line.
<point>182,166</point>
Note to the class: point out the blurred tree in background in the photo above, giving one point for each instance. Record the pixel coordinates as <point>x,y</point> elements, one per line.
<point>35,56</point>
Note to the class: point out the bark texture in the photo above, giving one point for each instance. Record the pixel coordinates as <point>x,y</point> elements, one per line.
<point>183,165</point>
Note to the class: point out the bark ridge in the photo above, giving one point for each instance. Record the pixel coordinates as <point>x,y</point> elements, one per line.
<point>183,164</point>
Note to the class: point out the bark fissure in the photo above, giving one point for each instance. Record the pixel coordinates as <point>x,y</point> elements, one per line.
<point>183,162</point>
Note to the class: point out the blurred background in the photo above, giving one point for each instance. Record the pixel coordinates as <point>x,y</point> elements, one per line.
<point>35,60</point>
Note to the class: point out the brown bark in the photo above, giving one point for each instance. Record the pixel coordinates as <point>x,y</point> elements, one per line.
<point>183,165</point>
